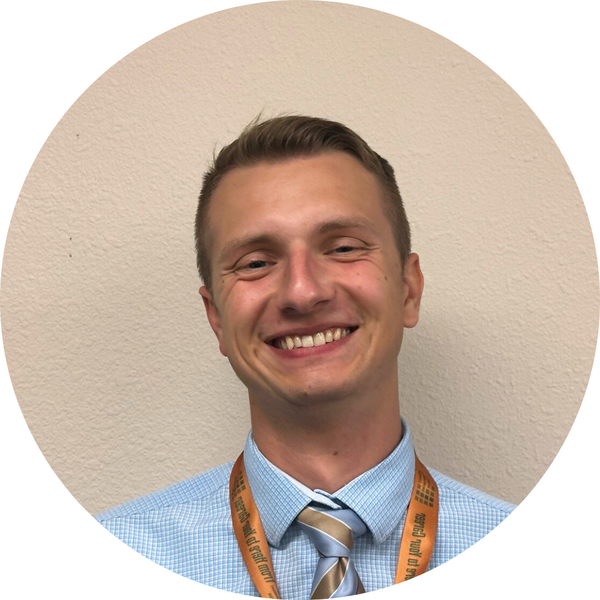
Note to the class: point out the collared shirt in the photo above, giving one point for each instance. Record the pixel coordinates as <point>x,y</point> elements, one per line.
<point>187,527</point>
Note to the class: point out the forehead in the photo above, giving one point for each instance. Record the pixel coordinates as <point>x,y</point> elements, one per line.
<point>279,192</point>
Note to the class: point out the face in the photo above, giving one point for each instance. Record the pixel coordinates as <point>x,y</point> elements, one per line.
<point>309,296</point>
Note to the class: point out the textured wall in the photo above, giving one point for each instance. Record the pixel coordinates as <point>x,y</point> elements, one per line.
<point>112,361</point>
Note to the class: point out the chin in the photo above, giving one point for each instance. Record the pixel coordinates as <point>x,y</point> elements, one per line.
<point>316,395</point>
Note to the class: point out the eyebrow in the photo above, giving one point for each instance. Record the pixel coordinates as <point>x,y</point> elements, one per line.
<point>249,240</point>
<point>349,223</point>
<point>268,239</point>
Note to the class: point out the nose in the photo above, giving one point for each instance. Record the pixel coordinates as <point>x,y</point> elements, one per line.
<point>305,284</point>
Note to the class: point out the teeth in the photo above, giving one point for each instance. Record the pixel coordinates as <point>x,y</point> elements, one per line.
<point>308,341</point>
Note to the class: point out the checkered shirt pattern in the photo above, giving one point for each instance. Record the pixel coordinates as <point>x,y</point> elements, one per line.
<point>187,527</point>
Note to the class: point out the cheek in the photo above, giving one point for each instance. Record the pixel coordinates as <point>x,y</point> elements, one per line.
<point>377,288</point>
<point>241,311</point>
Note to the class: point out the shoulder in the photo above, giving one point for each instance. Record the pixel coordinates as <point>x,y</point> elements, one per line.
<point>185,527</point>
<point>207,490</point>
<point>466,496</point>
<point>465,514</point>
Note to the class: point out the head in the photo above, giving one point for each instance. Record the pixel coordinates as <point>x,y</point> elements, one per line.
<point>289,137</point>
<point>301,245</point>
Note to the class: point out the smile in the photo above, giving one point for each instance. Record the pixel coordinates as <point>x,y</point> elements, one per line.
<point>291,342</point>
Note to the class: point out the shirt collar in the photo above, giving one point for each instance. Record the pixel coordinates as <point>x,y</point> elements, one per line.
<point>379,496</point>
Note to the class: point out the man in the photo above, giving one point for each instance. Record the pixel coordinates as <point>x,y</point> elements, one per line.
<point>304,250</point>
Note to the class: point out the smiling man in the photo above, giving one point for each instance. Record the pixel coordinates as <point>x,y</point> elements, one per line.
<point>304,249</point>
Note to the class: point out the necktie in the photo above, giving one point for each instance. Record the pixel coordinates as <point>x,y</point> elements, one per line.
<point>333,532</point>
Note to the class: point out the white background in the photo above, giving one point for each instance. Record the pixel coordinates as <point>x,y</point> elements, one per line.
<point>51,52</point>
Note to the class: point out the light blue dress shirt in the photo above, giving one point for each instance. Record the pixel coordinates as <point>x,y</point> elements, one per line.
<point>187,527</point>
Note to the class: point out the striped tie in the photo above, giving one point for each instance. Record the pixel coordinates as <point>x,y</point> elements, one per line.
<point>333,533</point>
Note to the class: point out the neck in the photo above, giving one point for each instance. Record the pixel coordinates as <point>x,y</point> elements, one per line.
<point>323,447</point>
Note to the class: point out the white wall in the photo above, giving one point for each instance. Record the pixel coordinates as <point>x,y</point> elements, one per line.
<point>111,358</point>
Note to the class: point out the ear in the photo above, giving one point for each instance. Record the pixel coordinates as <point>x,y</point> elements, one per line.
<point>212,314</point>
<point>413,289</point>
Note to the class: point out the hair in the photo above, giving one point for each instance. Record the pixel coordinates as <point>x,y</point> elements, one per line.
<point>283,138</point>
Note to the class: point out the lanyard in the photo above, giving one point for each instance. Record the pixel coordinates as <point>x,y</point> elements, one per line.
<point>418,537</point>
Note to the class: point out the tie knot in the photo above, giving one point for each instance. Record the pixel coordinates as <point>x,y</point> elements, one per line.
<point>332,531</point>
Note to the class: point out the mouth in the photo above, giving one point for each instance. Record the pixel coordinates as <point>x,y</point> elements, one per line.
<point>328,336</point>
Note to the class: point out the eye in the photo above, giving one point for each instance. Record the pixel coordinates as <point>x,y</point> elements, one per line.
<point>344,249</point>
<point>251,266</point>
<point>256,264</point>
<point>345,245</point>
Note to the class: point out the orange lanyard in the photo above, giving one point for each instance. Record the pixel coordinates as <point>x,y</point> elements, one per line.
<point>418,537</point>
